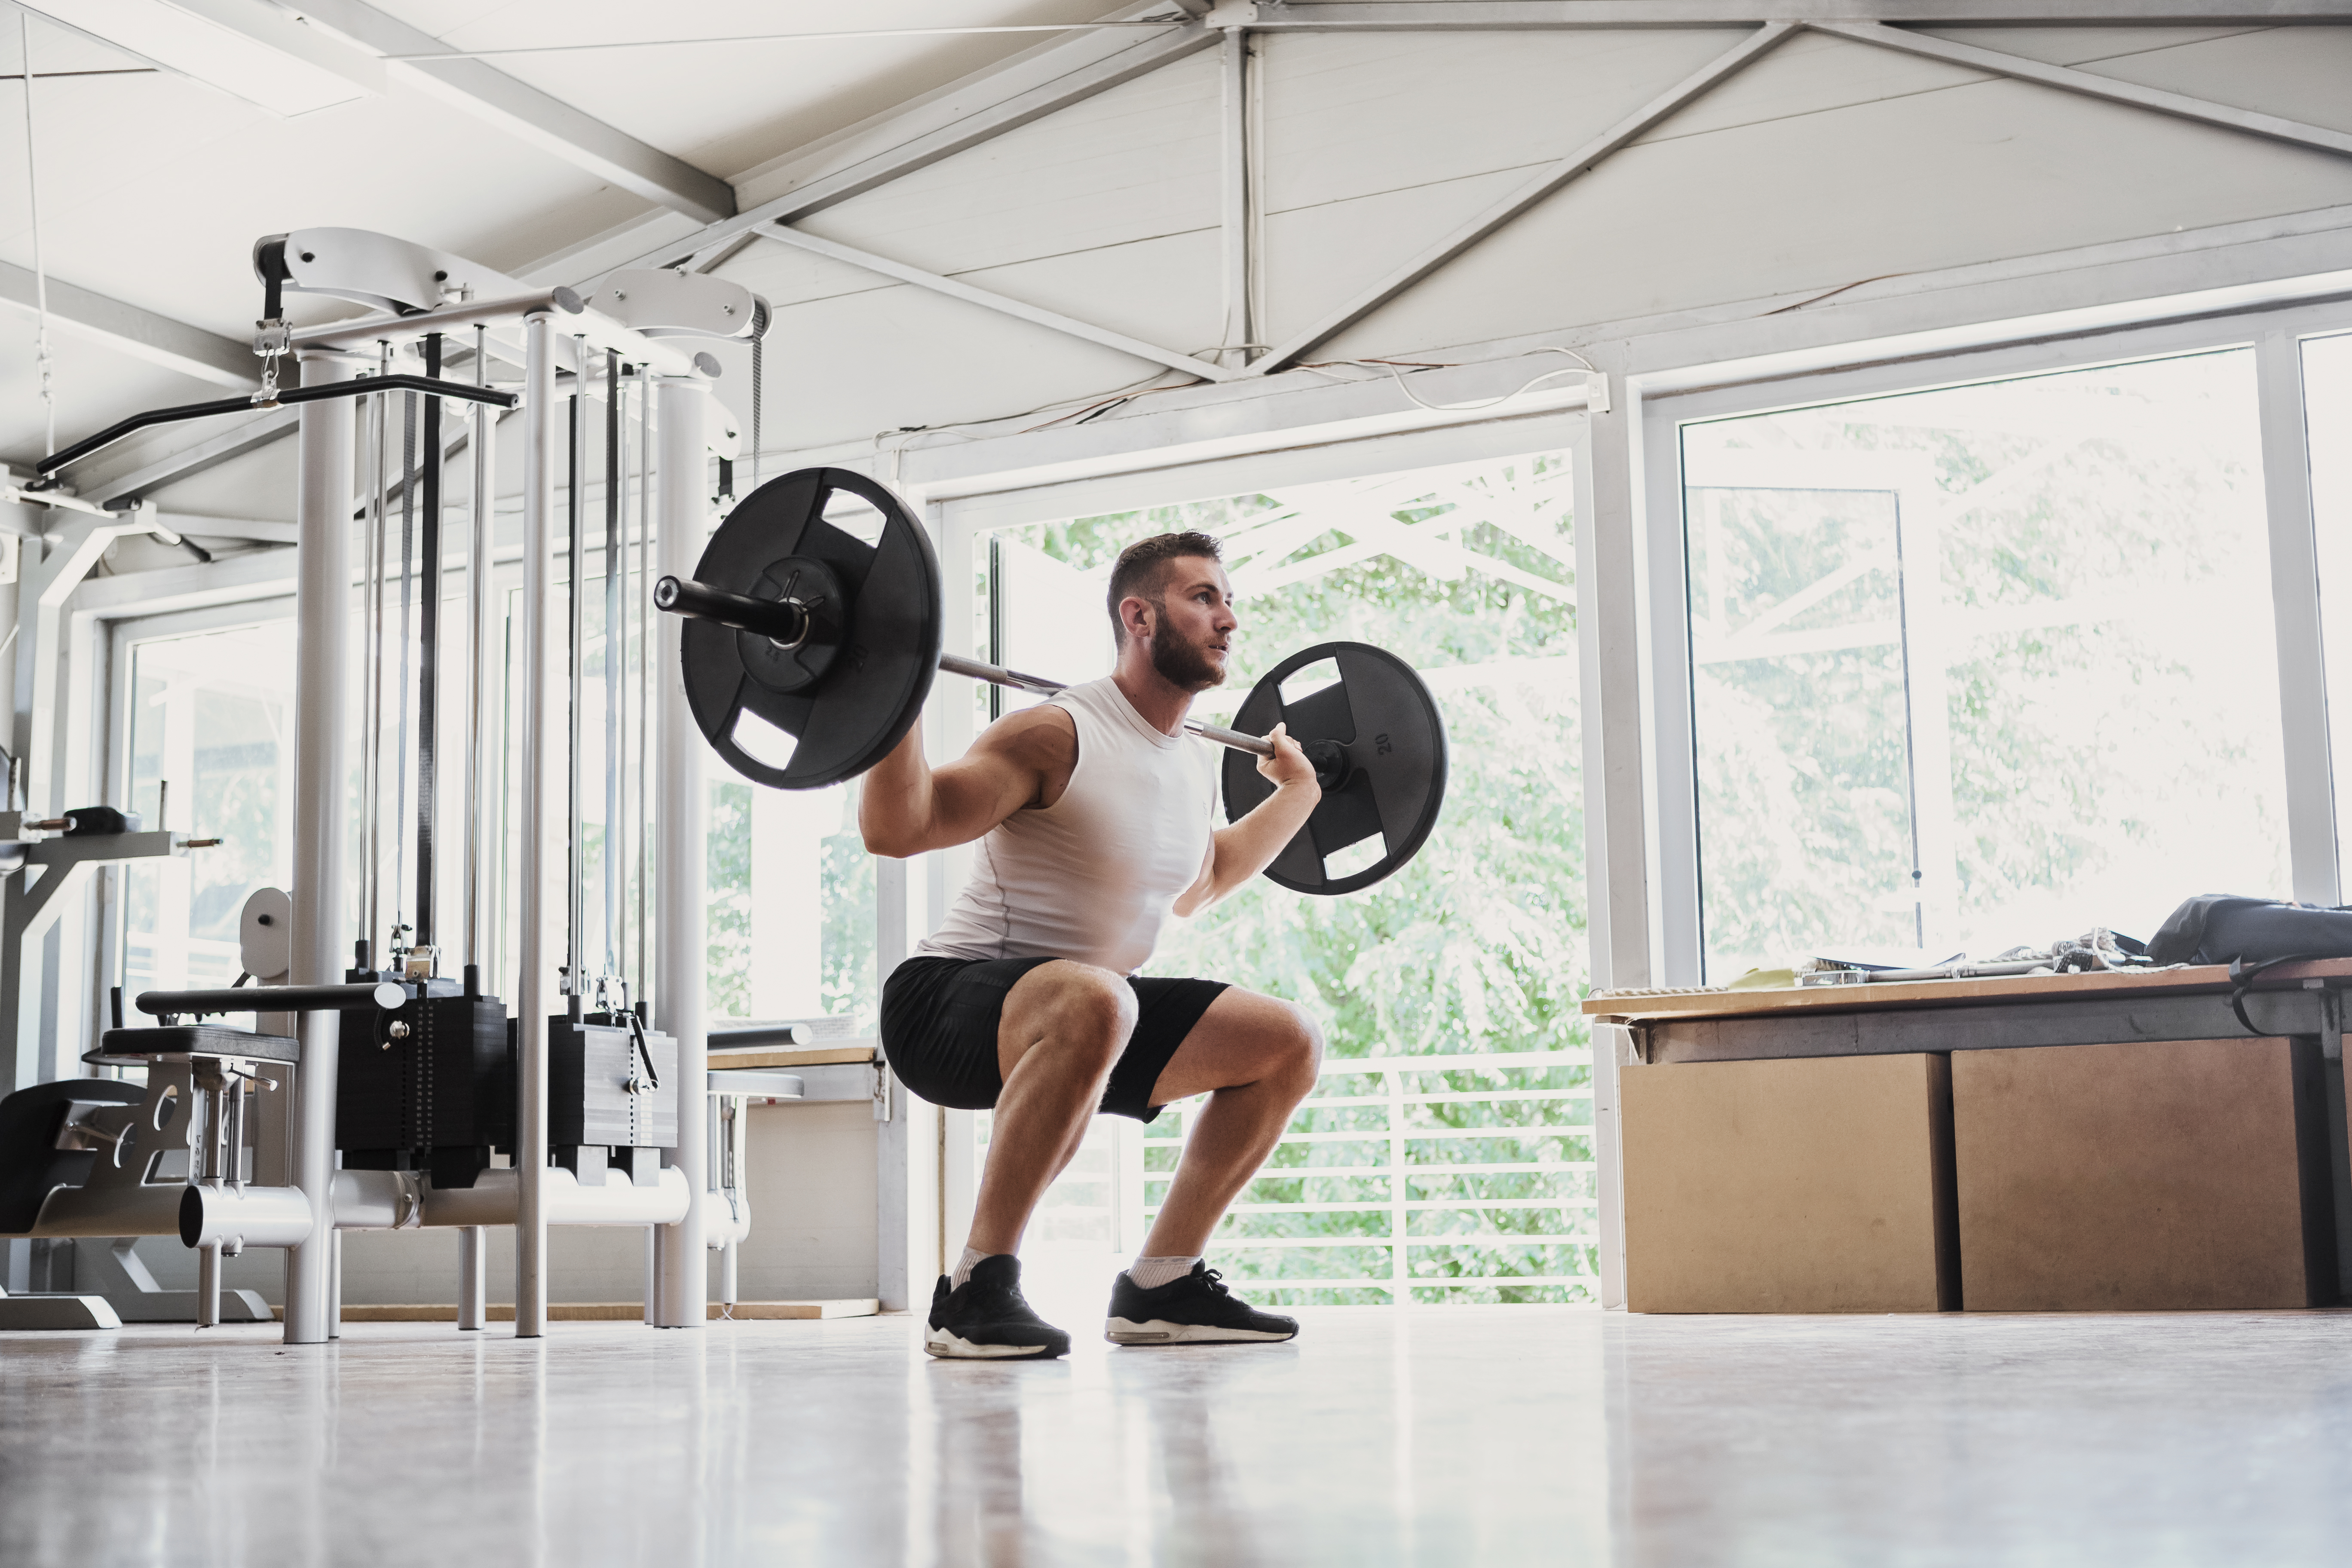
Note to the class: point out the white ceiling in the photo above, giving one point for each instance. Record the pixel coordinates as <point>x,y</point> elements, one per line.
<point>153,187</point>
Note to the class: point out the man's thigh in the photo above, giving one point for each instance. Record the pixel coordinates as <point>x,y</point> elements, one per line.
<point>1235,1042</point>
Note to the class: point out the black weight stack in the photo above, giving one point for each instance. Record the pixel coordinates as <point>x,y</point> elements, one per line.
<point>428,1086</point>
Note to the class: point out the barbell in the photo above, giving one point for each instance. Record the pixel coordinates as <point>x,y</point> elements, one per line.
<point>805,628</point>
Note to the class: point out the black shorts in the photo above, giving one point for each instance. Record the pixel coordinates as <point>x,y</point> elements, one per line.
<point>940,1017</point>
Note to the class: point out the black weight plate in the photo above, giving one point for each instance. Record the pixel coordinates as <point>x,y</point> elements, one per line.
<point>1382,717</point>
<point>849,717</point>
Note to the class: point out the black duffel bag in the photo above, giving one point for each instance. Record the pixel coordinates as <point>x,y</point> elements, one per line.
<point>2250,935</point>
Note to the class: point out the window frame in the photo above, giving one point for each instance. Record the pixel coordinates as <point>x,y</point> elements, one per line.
<point>119,635</point>
<point>2274,334</point>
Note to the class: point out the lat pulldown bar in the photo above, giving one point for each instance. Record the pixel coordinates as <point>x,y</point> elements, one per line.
<point>430,385</point>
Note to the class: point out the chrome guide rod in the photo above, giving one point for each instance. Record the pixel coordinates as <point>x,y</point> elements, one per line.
<point>407,649</point>
<point>683,1280</point>
<point>575,643</point>
<point>614,656</point>
<point>481,798</point>
<point>646,646</point>
<point>322,771</point>
<point>532,996</point>
<point>622,835</point>
<point>481,629</point>
<point>371,746</point>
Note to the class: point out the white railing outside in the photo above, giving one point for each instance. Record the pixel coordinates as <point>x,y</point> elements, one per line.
<point>1410,1146</point>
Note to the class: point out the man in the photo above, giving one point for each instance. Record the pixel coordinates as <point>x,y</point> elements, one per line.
<point>1094,812</point>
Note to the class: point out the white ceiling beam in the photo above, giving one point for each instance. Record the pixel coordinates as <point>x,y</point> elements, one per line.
<point>257,531</point>
<point>533,116</point>
<point>1723,66</point>
<point>2068,79</point>
<point>977,110</point>
<point>1490,15</point>
<point>128,328</point>
<point>955,289</point>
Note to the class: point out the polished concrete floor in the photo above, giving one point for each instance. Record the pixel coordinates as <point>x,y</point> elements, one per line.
<point>1480,1434</point>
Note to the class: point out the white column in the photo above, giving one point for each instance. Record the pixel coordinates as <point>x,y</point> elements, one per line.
<point>1609,518</point>
<point>2294,608</point>
<point>682,1278</point>
<point>537,817</point>
<point>321,773</point>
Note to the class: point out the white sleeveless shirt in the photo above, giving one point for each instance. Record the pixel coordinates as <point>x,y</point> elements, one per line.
<point>1092,876</point>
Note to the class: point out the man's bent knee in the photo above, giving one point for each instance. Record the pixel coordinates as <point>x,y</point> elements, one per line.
<point>1077,1009</point>
<point>1295,1052</point>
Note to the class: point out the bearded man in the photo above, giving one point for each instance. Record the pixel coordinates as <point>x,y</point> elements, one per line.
<point>1094,817</point>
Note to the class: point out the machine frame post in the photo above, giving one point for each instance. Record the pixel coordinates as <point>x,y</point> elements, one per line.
<point>322,617</point>
<point>682,1289</point>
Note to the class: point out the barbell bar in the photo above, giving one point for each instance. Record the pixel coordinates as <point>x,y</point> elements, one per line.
<point>797,629</point>
<point>787,624</point>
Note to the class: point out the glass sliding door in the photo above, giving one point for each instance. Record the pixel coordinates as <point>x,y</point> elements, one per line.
<point>1447,1155</point>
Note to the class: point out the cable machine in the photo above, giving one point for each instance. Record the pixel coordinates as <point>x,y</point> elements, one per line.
<point>408,1096</point>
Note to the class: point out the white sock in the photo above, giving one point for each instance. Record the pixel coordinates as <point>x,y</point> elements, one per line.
<point>1150,1273</point>
<point>972,1255</point>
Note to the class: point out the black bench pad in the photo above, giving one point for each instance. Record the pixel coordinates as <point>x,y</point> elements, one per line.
<point>134,1048</point>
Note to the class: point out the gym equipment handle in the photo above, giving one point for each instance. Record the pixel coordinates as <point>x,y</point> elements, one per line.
<point>384,994</point>
<point>430,385</point>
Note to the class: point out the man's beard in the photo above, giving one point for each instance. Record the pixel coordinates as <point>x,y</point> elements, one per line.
<point>1184,664</point>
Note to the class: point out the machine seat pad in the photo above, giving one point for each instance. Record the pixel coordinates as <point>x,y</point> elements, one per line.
<point>31,1164</point>
<point>135,1048</point>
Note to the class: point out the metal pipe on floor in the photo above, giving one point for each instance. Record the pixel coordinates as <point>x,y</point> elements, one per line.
<point>321,772</point>
<point>682,1275</point>
<point>538,458</point>
<point>473,1275</point>
<point>209,1286</point>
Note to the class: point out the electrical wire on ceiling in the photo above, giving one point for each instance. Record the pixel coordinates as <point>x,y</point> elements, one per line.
<point>895,443</point>
<point>40,270</point>
<point>791,38</point>
<point>57,76</point>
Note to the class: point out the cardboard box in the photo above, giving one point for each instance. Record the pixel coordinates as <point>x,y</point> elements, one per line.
<point>1821,1185</point>
<point>2144,1177</point>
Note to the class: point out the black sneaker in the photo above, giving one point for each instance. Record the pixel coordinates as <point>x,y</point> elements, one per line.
<point>1194,1311</point>
<point>985,1318</point>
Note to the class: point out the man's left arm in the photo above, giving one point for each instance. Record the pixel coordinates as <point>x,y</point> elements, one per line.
<point>1240,851</point>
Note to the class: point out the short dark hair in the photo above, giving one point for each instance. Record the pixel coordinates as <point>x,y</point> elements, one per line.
<point>1142,570</point>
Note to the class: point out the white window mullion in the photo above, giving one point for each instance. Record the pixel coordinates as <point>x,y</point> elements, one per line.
<point>2294,594</point>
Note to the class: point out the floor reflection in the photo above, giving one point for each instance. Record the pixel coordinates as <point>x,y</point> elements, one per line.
<point>1446,1437</point>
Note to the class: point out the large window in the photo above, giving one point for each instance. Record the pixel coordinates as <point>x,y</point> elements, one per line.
<point>1447,1155</point>
<point>212,753</point>
<point>1982,666</point>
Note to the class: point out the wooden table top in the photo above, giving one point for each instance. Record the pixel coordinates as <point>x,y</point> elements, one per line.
<point>1650,1006</point>
<point>790,1056</point>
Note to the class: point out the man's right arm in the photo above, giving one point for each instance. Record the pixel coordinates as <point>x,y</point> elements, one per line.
<point>906,807</point>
